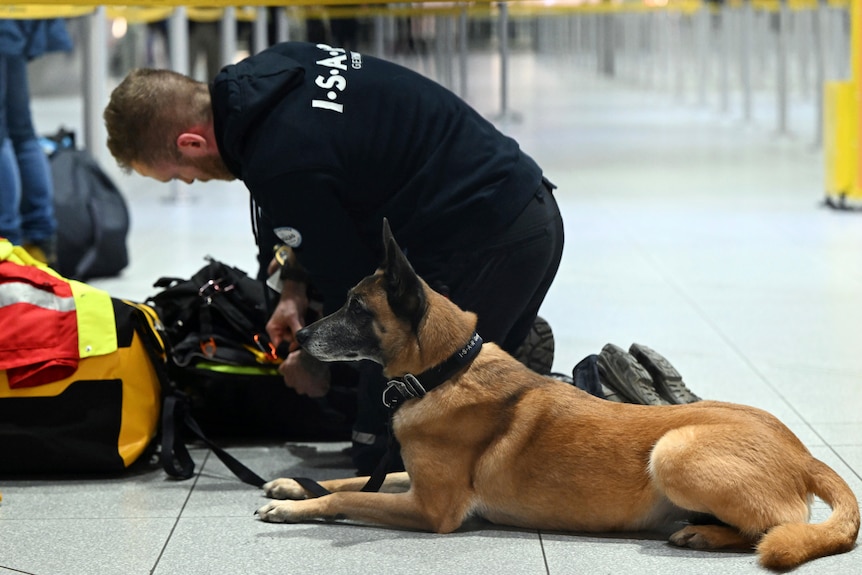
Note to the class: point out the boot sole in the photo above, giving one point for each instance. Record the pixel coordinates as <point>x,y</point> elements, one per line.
<point>664,375</point>
<point>627,377</point>
<point>537,351</point>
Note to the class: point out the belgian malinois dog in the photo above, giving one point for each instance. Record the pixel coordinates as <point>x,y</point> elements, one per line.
<point>499,441</point>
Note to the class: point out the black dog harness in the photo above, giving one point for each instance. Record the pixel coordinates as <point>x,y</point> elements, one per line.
<point>410,386</point>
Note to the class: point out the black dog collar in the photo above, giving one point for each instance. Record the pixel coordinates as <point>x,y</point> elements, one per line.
<point>410,386</point>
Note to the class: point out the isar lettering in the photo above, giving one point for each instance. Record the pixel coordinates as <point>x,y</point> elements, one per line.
<point>334,82</point>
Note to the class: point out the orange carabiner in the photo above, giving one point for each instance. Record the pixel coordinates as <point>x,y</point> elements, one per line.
<point>270,353</point>
<point>209,347</point>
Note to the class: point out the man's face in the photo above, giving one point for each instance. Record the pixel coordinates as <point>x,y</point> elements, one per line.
<point>186,169</point>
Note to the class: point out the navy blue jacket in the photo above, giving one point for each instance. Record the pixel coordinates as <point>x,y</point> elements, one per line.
<point>330,141</point>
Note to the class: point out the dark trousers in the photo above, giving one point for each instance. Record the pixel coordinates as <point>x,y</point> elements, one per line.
<point>504,282</point>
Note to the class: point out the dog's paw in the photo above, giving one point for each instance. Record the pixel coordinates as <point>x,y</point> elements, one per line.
<point>276,512</point>
<point>711,537</point>
<point>284,488</point>
<point>690,537</point>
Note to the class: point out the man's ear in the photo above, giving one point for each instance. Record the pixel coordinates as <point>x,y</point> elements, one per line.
<point>192,145</point>
<point>404,290</point>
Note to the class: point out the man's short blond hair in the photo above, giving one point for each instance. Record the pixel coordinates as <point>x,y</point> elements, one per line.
<point>149,110</point>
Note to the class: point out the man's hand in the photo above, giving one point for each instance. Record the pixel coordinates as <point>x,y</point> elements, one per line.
<point>301,372</point>
<point>289,315</point>
<point>305,375</point>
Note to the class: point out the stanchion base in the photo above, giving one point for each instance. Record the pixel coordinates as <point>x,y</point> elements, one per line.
<point>842,203</point>
<point>507,117</point>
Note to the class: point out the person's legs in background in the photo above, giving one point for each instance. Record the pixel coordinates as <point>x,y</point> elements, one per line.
<point>10,180</point>
<point>36,206</point>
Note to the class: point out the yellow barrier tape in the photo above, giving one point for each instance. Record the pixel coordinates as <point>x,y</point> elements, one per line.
<point>369,11</point>
<point>204,13</point>
<point>535,9</point>
<point>211,14</point>
<point>516,9</point>
<point>31,12</point>
<point>139,15</point>
<point>227,3</point>
<point>146,11</point>
<point>246,14</point>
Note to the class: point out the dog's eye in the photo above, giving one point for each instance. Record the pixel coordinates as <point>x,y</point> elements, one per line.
<point>355,306</point>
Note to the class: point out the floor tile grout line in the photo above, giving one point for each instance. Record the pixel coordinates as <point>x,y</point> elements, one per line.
<point>180,514</point>
<point>544,555</point>
<point>736,350</point>
<point>677,287</point>
<point>16,570</point>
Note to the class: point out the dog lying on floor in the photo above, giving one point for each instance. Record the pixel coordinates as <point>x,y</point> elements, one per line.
<point>497,440</point>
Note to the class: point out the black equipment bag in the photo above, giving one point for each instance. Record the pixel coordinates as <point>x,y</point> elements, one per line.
<point>220,359</point>
<point>92,215</point>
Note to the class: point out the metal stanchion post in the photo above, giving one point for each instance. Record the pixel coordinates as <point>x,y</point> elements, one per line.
<point>227,31</point>
<point>654,39</point>
<point>503,28</point>
<point>504,58</point>
<point>624,48</point>
<point>260,36</point>
<point>726,22</point>
<point>282,26</point>
<point>803,49</point>
<point>95,71</point>
<point>702,33</point>
<point>445,50</point>
<point>667,51</point>
<point>745,30</point>
<point>842,42</point>
<point>678,55</point>
<point>463,52</point>
<point>781,68</point>
<point>819,72</point>
<point>178,35</point>
<point>379,35</point>
<point>607,61</point>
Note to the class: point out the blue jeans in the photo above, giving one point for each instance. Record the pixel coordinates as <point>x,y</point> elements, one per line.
<point>26,188</point>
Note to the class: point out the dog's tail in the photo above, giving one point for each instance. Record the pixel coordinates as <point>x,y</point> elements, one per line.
<point>791,544</point>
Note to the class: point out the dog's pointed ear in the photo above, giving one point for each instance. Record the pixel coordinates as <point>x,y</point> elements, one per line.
<point>404,291</point>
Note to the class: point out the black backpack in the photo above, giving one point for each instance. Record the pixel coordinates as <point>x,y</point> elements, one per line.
<point>220,359</point>
<point>92,215</point>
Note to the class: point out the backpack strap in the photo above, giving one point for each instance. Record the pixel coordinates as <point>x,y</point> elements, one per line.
<point>176,461</point>
<point>176,417</point>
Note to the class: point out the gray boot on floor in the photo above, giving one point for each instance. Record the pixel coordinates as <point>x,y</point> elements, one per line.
<point>537,351</point>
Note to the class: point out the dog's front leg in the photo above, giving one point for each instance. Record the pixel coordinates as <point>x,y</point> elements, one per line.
<point>287,488</point>
<point>394,509</point>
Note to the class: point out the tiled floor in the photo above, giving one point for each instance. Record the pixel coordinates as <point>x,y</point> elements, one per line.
<point>689,231</point>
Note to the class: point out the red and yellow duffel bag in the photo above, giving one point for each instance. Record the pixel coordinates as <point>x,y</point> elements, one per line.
<point>81,373</point>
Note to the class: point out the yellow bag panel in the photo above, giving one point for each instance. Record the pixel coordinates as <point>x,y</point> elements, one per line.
<point>95,311</point>
<point>141,393</point>
<point>141,402</point>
